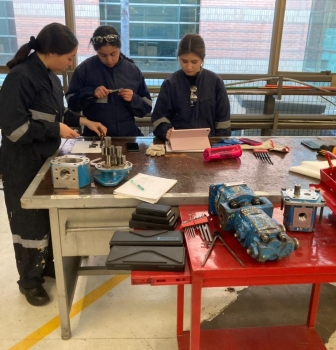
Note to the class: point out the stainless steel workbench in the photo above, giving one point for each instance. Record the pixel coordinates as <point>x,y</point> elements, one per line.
<point>83,221</point>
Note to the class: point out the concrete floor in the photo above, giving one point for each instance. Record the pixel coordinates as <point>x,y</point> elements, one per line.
<point>109,313</point>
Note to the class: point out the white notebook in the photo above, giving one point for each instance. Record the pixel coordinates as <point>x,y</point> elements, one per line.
<point>145,187</point>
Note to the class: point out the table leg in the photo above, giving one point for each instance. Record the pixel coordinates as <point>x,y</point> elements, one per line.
<point>62,294</point>
<point>180,308</point>
<point>195,318</point>
<point>313,305</point>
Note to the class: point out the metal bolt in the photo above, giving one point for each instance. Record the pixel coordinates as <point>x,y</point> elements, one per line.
<point>297,190</point>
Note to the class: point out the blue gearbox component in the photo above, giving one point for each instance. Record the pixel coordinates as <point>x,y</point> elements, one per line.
<point>263,237</point>
<point>239,209</point>
<point>70,171</point>
<point>115,167</point>
<point>112,175</point>
<point>301,208</point>
<point>226,199</point>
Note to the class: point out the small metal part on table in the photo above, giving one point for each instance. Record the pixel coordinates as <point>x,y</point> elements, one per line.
<point>263,155</point>
<point>93,162</point>
<point>115,90</point>
<point>93,143</point>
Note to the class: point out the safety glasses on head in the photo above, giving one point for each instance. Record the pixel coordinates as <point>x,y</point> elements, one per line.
<point>110,38</point>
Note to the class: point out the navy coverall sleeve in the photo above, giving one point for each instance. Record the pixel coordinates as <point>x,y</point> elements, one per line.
<point>162,111</point>
<point>15,97</point>
<point>222,111</point>
<point>70,118</point>
<point>80,96</point>
<point>141,103</point>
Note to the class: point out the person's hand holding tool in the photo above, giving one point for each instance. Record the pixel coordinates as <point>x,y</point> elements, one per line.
<point>101,92</point>
<point>126,94</point>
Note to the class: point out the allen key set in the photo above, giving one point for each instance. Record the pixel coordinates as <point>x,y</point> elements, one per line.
<point>198,223</point>
<point>218,235</point>
<point>263,154</point>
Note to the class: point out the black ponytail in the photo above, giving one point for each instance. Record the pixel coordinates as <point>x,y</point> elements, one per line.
<point>20,56</point>
<point>53,38</point>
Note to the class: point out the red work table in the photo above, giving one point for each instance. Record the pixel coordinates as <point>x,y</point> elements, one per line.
<point>313,262</point>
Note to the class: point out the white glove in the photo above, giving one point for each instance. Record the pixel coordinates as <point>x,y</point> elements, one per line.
<point>155,150</point>
<point>270,145</point>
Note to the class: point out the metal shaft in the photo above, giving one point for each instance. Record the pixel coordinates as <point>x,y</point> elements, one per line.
<point>231,251</point>
<point>209,251</point>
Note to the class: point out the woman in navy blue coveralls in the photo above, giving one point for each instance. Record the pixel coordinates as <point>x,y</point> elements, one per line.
<point>109,87</point>
<point>192,97</point>
<point>33,120</point>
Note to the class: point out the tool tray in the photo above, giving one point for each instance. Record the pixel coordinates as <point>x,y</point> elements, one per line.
<point>146,258</point>
<point>328,176</point>
<point>327,186</point>
<point>147,237</point>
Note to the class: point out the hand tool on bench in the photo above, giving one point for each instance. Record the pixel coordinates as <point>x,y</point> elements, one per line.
<point>201,224</point>
<point>263,155</point>
<point>217,235</point>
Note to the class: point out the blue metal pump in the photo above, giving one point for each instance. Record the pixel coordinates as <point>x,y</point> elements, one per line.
<point>300,208</point>
<point>239,209</point>
<point>115,167</point>
<point>227,198</point>
<point>263,237</point>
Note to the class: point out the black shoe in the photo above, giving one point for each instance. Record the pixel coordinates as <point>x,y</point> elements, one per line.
<point>35,296</point>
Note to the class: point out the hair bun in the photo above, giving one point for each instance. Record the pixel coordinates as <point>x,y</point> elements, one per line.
<point>32,43</point>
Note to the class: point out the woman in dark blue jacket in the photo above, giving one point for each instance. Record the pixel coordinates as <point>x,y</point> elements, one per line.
<point>192,97</point>
<point>33,120</point>
<point>109,87</point>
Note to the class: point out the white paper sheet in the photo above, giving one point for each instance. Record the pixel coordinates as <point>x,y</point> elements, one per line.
<point>82,146</point>
<point>154,188</point>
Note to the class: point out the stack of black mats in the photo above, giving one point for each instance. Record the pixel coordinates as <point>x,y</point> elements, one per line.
<point>153,216</point>
<point>159,249</point>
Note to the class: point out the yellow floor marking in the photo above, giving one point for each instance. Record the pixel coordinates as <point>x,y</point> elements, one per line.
<point>80,305</point>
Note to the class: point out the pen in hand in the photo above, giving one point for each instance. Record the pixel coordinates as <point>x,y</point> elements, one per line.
<point>137,185</point>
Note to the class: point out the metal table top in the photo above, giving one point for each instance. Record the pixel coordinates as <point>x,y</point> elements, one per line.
<point>194,175</point>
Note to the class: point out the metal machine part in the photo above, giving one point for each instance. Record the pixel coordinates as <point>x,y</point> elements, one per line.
<point>228,198</point>
<point>264,238</point>
<point>70,171</point>
<point>239,209</point>
<point>300,208</point>
<point>114,168</point>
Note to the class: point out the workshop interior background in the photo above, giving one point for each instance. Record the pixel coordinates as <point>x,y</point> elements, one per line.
<point>253,41</point>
